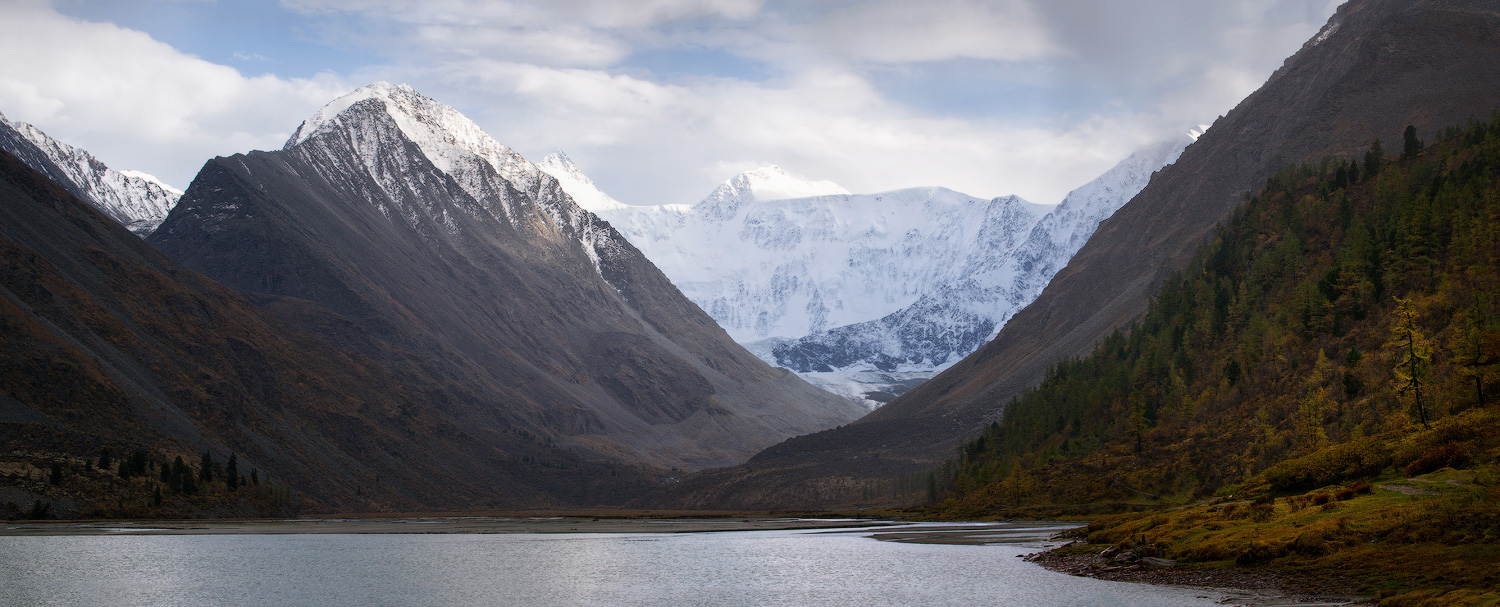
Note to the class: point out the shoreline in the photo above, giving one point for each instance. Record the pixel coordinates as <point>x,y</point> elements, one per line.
<point>1244,586</point>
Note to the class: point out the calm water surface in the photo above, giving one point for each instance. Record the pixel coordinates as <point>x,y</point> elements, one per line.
<point>719,569</point>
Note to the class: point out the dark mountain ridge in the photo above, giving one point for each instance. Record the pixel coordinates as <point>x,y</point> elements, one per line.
<point>1377,66</point>
<point>108,344</point>
<point>486,276</point>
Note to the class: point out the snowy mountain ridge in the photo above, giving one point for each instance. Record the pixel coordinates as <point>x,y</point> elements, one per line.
<point>773,268</point>
<point>862,293</point>
<point>942,327</point>
<point>458,147</point>
<point>137,200</point>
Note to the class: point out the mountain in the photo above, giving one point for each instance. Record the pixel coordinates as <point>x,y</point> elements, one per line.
<point>773,258</point>
<point>106,344</point>
<point>393,226</point>
<point>1376,67</point>
<point>863,295</point>
<point>993,281</point>
<point>1331,350</point>
<point>137,200</point>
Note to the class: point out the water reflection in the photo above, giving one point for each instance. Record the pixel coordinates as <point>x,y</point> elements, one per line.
<point>740,568</point>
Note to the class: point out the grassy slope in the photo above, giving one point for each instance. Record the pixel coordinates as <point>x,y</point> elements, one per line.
<point>1270,368</point>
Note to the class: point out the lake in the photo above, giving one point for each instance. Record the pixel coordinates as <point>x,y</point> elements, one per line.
<point>205,565</point>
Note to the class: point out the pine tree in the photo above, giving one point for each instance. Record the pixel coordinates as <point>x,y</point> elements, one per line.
<point>232,473</point>
<point>206,468</point>
<point>1374,159</point>
<point>105,462</point>
<point>56,478</point>
<point>1469,351</point>
<point>1414,356</point>
<point>1411,146</point>
<point>181,477</point>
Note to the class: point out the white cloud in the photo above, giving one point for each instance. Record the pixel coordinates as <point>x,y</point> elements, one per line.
<point>137,103</point>
<point>649,143</point>
<point>558,33</point>
<point>895,31</point>
<point>604,14</point>
<point>546,75</point>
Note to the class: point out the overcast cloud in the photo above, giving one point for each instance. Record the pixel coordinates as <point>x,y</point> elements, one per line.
<point>659,100</point>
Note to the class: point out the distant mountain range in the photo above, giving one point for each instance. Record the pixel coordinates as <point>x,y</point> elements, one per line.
<point>863,294</point>
<point>137,200</point>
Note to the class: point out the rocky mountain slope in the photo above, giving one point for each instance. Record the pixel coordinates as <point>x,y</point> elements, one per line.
<point>1377,66</point>
<point>393,226</point>
<point>106,344</point>
<point>137,200</point>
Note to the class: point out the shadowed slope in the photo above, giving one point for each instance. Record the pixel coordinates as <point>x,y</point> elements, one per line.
<point>465,261</point>
<point>105,343</point>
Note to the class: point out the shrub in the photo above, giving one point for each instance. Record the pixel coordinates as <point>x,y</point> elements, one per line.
<point>1447,455</point>
<point>1330,466</point>
<point>1261,513</point>
<point>1259,552</point>
<point>1320,499</point>
<point>1310,543</point>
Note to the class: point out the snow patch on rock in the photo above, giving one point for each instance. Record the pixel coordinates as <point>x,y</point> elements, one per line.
<point>137,200</point>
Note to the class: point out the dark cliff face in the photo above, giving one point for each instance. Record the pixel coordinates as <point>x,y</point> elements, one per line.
<point>106,343</point>
<point>501,286</point>
<point>1381,66</point>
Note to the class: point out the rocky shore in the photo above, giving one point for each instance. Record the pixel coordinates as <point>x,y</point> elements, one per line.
<point>1241,585</point>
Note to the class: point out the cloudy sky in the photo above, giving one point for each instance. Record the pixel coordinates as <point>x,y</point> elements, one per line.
<point>660,100</point>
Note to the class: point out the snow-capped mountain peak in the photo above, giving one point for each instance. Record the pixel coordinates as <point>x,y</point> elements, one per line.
<point>860,293</point>
<point>137,200</point>
<point>576,184</point>
<point>149,178</point>
<point>762,184</point>
<point>446,137</point>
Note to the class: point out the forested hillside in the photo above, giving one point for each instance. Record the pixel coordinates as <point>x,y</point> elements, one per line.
<point>1341,329</point>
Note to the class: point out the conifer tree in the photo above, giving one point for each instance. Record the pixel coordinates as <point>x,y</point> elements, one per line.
<point>181,477</point>
<point>105,462</point>
<point>1411,146</point>
<point>232,472</point>
<point>1374,159</point>
<point>206,468</point>
<point>1469,351</point>
<point>1414,356</point>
